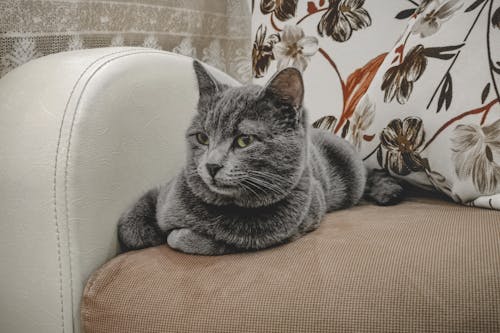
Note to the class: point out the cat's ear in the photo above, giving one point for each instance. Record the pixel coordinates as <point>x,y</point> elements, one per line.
<point>288,86</point>
<point>207,84</point>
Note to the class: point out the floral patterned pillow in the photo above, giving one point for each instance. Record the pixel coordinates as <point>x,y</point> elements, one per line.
<point>433,105</point>
<point>425,108</point>
<point>332,42</point>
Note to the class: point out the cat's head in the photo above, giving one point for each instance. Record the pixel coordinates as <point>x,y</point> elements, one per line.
<point>247,145</point>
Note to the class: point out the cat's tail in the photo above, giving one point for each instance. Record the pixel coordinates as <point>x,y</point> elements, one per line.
<point>383,189</point>
<point>137,227</point>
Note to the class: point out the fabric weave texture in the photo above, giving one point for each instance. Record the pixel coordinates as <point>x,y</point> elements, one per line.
<point>425,265</point>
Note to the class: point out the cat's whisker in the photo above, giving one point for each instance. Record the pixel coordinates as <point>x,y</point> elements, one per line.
<point>257,186</point>
<point>247,187</point>
<point>270,177</point>
<point>249,182</point>
<point>261,183</point>
<point>267,173</point>
<point>237,174</point>
<point>269,183</point>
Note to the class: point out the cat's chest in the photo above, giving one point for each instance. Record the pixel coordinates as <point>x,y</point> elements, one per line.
<point>199,212</point>
<point>249,228</point>
<point>276,221</point>
<point>236,225</point>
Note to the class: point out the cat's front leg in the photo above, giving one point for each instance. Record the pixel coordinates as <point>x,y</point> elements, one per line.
<point>383,189</point>
<point>188,241</point>
<point>137,227</point>
<point>316,211</point>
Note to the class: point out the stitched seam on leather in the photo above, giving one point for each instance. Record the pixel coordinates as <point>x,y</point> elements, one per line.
<point>69,149</point>
<point>58,233</point>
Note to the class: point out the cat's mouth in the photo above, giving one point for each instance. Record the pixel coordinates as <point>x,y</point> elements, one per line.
<point>221,188</point>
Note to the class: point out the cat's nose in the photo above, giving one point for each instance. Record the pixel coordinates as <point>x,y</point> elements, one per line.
<point>213,168</point>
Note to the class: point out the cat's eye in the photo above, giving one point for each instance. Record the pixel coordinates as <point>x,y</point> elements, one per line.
<point>202,138</point>
<point>244,141</point>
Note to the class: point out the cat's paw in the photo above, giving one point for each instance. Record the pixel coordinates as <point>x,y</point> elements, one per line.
<point>137,227</point>
<point>388,194</point>
<point>383,189</point>
<point>136,235</point>
<point>179,239</point>
<point>187,241</point>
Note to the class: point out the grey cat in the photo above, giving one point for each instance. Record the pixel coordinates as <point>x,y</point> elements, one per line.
<point>256,174</point>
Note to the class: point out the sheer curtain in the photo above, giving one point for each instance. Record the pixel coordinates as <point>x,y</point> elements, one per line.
<point>214,31</point>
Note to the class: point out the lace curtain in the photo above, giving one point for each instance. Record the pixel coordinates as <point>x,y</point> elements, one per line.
<point>214,31</point>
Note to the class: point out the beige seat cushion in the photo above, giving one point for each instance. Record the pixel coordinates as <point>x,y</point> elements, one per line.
<point>424,265</point>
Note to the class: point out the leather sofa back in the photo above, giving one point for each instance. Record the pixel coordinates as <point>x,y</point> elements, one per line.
<point>82,134</point>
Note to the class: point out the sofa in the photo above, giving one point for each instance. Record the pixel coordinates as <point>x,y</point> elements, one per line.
<point>84,133</point>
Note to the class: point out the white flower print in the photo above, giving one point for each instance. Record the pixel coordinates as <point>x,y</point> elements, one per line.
<point>434,15</point>
<point>295,48</point>
<point>476,153</point>
<point>362,120</point>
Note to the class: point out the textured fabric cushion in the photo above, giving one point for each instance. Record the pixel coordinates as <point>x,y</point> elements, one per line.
<point>424,265</point>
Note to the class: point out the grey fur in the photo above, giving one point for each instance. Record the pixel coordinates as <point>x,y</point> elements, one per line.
<point>382,189</point>
<point>273,191</point>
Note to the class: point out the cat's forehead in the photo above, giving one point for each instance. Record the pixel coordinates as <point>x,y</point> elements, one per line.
<point>239,98</point>
<point>231,107</point>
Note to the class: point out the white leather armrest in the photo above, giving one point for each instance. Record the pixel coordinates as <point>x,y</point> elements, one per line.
<point>82,134</point>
